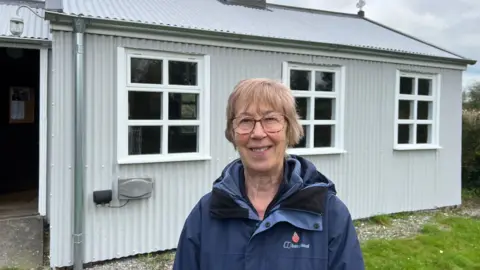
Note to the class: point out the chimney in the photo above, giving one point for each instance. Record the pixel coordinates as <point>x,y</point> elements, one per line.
<point>361,13</point>
<point>54,5</point>
<point>262,4</point>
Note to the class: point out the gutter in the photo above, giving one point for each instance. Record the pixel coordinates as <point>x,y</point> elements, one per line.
<point>26,41</point>
<point>79,26</point>
<point>59,19</point>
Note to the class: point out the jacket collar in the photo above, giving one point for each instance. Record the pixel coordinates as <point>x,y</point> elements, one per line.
<point>304,189</point>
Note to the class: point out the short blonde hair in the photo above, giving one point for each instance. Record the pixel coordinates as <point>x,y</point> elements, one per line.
<point>267,92</point>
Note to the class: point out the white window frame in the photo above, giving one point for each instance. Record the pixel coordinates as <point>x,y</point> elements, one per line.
<point>124,86</point>
<point>339,94</point>
<point>435,110</point>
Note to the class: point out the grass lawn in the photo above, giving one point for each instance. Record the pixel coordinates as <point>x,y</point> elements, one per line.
<point>448,243</point>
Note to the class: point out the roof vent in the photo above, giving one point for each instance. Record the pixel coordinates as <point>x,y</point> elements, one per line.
<point>248,3</point>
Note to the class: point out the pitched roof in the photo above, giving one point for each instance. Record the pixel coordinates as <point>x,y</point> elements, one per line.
<point>35,28</point>
<point>275,22</point>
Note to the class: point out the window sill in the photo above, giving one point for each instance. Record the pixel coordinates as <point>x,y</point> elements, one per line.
<point>315,151</point>
<point>142,159</point>
<point>413,147</point>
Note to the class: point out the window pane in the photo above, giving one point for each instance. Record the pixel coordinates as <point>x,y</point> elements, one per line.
<point>405,109</point>
<point>143,140</point>
<point>144,105</point>
<point>324,81</point>
<point>424,110</point>
<point>300,80</point>
<point>302,107</point>
<point>303,141</point>
<point>324,109</point>
<point>407,85</point>
<point>424,133</point>
<point>182,73</point>
<point>323,136</point>
<point>182,106</point>
<point>146,71</point>
<point>425,87</point>
<point>182,139</point>
<point>404,133</point>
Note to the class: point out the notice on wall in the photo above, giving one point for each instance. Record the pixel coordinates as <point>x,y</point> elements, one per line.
<point>17,110</point>
<point>21,105</point>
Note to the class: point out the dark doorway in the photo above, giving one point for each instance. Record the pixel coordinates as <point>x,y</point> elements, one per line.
<point>19,128</point>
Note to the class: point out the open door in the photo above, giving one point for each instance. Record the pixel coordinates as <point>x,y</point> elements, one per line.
<point>19,131</point>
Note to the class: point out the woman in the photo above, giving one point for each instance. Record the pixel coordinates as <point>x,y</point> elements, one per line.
<point>268,210</point>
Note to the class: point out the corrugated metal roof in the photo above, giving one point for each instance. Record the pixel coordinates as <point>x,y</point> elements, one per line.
<point>276,22</point>
<point>34,26</point>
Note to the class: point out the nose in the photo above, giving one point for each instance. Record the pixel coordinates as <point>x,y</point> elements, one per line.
<point>258,131</point>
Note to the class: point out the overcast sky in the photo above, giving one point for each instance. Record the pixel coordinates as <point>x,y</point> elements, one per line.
<point>452,25</point>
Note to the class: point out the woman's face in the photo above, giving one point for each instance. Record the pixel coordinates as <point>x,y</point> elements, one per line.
<point>261,151</point>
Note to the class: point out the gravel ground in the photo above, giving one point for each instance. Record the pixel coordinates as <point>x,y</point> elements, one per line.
<point>161,261</point>
<point>405,225</point>
<point>397,227</point>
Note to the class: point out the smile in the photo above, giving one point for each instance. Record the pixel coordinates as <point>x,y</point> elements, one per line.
<point>260,149</point>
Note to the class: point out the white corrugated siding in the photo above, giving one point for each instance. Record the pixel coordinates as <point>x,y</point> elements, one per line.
<point>61,150</point>
<point>371,178</point>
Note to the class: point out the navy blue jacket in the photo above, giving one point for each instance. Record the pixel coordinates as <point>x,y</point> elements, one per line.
<point>306,227</point>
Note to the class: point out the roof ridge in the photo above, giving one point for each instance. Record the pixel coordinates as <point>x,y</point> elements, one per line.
<point>317,11</point>
<point>414,37</point>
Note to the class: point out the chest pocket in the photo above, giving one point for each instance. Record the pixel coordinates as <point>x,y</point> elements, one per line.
<point>305,255</point>
<point>225,253</point>
<point>296,248</point>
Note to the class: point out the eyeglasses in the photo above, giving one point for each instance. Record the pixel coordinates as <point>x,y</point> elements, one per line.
<point>271,123</point>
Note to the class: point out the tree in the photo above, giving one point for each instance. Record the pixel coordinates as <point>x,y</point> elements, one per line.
<point>471,137</point>
<point>471,97</point>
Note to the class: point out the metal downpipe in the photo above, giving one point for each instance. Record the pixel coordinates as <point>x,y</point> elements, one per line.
<point>79,136</point>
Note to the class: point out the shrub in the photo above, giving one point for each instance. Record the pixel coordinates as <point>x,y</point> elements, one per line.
<point>471,148</point>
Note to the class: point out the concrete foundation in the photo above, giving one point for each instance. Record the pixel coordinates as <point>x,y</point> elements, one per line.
<point>21,243</point>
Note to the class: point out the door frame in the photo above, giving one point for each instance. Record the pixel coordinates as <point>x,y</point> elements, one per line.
<point>43,118</point>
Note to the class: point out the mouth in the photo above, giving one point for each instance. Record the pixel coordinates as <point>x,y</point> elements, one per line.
<point>260,149</point>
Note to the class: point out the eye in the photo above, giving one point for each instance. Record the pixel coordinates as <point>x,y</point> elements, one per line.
<point>273,118</point>
<point>245,121</point>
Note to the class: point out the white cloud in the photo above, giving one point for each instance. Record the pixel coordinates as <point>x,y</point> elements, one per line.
<point>470,77</point>
<point>471,40</point>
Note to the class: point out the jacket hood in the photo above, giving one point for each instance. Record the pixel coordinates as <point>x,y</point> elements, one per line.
<point>299,173</point>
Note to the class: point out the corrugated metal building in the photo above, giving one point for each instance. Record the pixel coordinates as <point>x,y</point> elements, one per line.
<point>381,110</point>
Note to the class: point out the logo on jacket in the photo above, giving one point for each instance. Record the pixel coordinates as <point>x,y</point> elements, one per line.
<point>294,243</point>
<point>295,238</point>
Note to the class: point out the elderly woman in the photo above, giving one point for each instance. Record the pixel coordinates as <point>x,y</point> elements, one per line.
<point>268,210</point>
